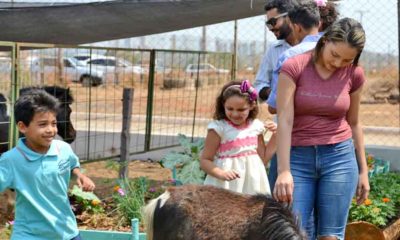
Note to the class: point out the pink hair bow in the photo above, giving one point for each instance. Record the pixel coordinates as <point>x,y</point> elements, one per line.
<point>246,87</point>
<point>321,3</point>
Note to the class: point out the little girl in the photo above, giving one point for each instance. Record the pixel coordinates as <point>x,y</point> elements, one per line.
<point>234,149</point>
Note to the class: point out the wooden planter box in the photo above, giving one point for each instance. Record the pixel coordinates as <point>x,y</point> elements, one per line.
<point>368,231</point>
<point>114,235</point>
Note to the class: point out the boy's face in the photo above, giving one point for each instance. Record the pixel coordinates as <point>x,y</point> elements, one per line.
<point>40,132</point>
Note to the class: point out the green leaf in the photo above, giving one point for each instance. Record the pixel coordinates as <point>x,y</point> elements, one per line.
<point>78,192</point>
<point>191,173</point>
<point>173,159</point>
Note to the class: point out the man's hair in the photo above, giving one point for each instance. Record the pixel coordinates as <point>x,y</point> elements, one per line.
<point>281,5</point>
<point>306,14</point>
<point>32,102</point>
<point>328,14</point>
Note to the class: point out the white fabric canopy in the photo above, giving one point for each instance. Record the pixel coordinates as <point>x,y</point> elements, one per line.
<point>79,22</point>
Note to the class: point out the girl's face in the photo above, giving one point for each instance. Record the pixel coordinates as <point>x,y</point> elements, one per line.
<point>40,132</point>
<point>337,55</point>
<point>237,110</point>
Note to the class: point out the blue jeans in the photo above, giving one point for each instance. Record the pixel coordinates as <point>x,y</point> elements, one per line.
<point>272,176</point>
<point>273,172</point>
<point>77,237</point>
<point>325,180</point>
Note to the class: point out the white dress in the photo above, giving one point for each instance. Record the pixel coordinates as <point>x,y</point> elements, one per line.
<point>238,151</point>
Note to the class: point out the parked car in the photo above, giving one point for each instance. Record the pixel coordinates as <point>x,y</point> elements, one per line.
<point>115,69</point>
<point>204,68</point>
<point>71,70</point>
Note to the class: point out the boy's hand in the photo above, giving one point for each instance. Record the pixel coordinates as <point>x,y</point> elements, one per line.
<point>85,183</point>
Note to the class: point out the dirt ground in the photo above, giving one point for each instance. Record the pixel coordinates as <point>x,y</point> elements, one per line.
<point>104,174</point>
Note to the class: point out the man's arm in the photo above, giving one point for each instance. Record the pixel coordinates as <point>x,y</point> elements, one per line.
<point>263,78</point>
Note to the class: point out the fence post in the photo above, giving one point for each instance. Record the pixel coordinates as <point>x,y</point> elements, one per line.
<point>127,102</point>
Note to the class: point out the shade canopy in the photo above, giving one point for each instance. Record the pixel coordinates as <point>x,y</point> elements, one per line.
<point>74,22</point>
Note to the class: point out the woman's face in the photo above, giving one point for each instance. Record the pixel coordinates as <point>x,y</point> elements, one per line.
<point>337,55</point>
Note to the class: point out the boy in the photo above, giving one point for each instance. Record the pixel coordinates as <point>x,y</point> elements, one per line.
<point>39,169</point>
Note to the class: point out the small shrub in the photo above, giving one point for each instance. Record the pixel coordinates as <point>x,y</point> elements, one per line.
<point>383,203</point>
<point>129,198</point>
<point>186,162</point>
<point>84,201</point>
<point>373,210</point>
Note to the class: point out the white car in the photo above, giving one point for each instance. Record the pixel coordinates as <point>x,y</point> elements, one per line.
<point>72,70</point>
<point>115,69</point>
<point>204,68</point>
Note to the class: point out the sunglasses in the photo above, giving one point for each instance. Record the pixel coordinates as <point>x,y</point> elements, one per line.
<point>270,23</point>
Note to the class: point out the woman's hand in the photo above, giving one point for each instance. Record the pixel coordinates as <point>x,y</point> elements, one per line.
<point>362,188</point>
<point>228,175</point>
<point>283,190</point>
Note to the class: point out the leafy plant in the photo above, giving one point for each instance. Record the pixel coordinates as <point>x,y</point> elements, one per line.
<point>85,201</point>
<point>186,162</point>
<point>386,186</point>
<point>154,190</point>
<point>129,197</point>
<point>376,211</point>
<point>383,203</point>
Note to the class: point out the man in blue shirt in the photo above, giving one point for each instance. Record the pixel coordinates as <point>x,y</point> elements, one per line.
<point>304,21</point>
<point>277,22</point>
<point>39,169</point>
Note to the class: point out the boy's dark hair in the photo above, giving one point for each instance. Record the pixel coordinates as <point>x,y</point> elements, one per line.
<point>305,14</point>
<point>281,5</point>
<point>219,113</point>
<point>34,101</point>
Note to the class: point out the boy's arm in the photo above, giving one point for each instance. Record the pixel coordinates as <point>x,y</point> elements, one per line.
<point>83,181</point>
<point>6,175</point>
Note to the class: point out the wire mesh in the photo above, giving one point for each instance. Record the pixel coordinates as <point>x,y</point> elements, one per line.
<point>176,85</point>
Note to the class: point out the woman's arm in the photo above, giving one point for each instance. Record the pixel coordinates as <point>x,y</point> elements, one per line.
<point>358,138</point>
<point>211,145</point>
<point>284,185</point>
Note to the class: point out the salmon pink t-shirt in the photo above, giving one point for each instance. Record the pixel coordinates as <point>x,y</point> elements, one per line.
<point>321,105</point>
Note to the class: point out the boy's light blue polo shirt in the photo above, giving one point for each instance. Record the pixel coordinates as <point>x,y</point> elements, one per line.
<point>41,182</point>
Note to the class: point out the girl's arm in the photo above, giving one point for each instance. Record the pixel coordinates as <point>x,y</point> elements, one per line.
<point>261,149</point>
<point>211,145</point>
<point>270,148</point>
<point>358,138</point>
<point>284,185</point>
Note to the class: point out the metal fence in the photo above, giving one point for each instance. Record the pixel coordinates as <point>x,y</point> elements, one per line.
<point>175,86</point>
<point>380,111</point>
<point>174,91</point>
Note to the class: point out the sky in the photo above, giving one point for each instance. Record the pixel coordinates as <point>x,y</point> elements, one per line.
<point>378,17</point>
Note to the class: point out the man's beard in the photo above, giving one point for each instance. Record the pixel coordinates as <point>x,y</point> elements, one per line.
<point>284,32</point>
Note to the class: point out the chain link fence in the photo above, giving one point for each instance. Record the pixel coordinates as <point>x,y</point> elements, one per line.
<point>380,109</point>
<point>176,85</point>
<point>173,92</point>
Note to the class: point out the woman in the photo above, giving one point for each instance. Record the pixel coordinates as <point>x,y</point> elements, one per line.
<point>318,101</point>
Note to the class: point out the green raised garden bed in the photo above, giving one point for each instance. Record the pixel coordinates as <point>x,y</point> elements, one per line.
<point>114,235</point>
